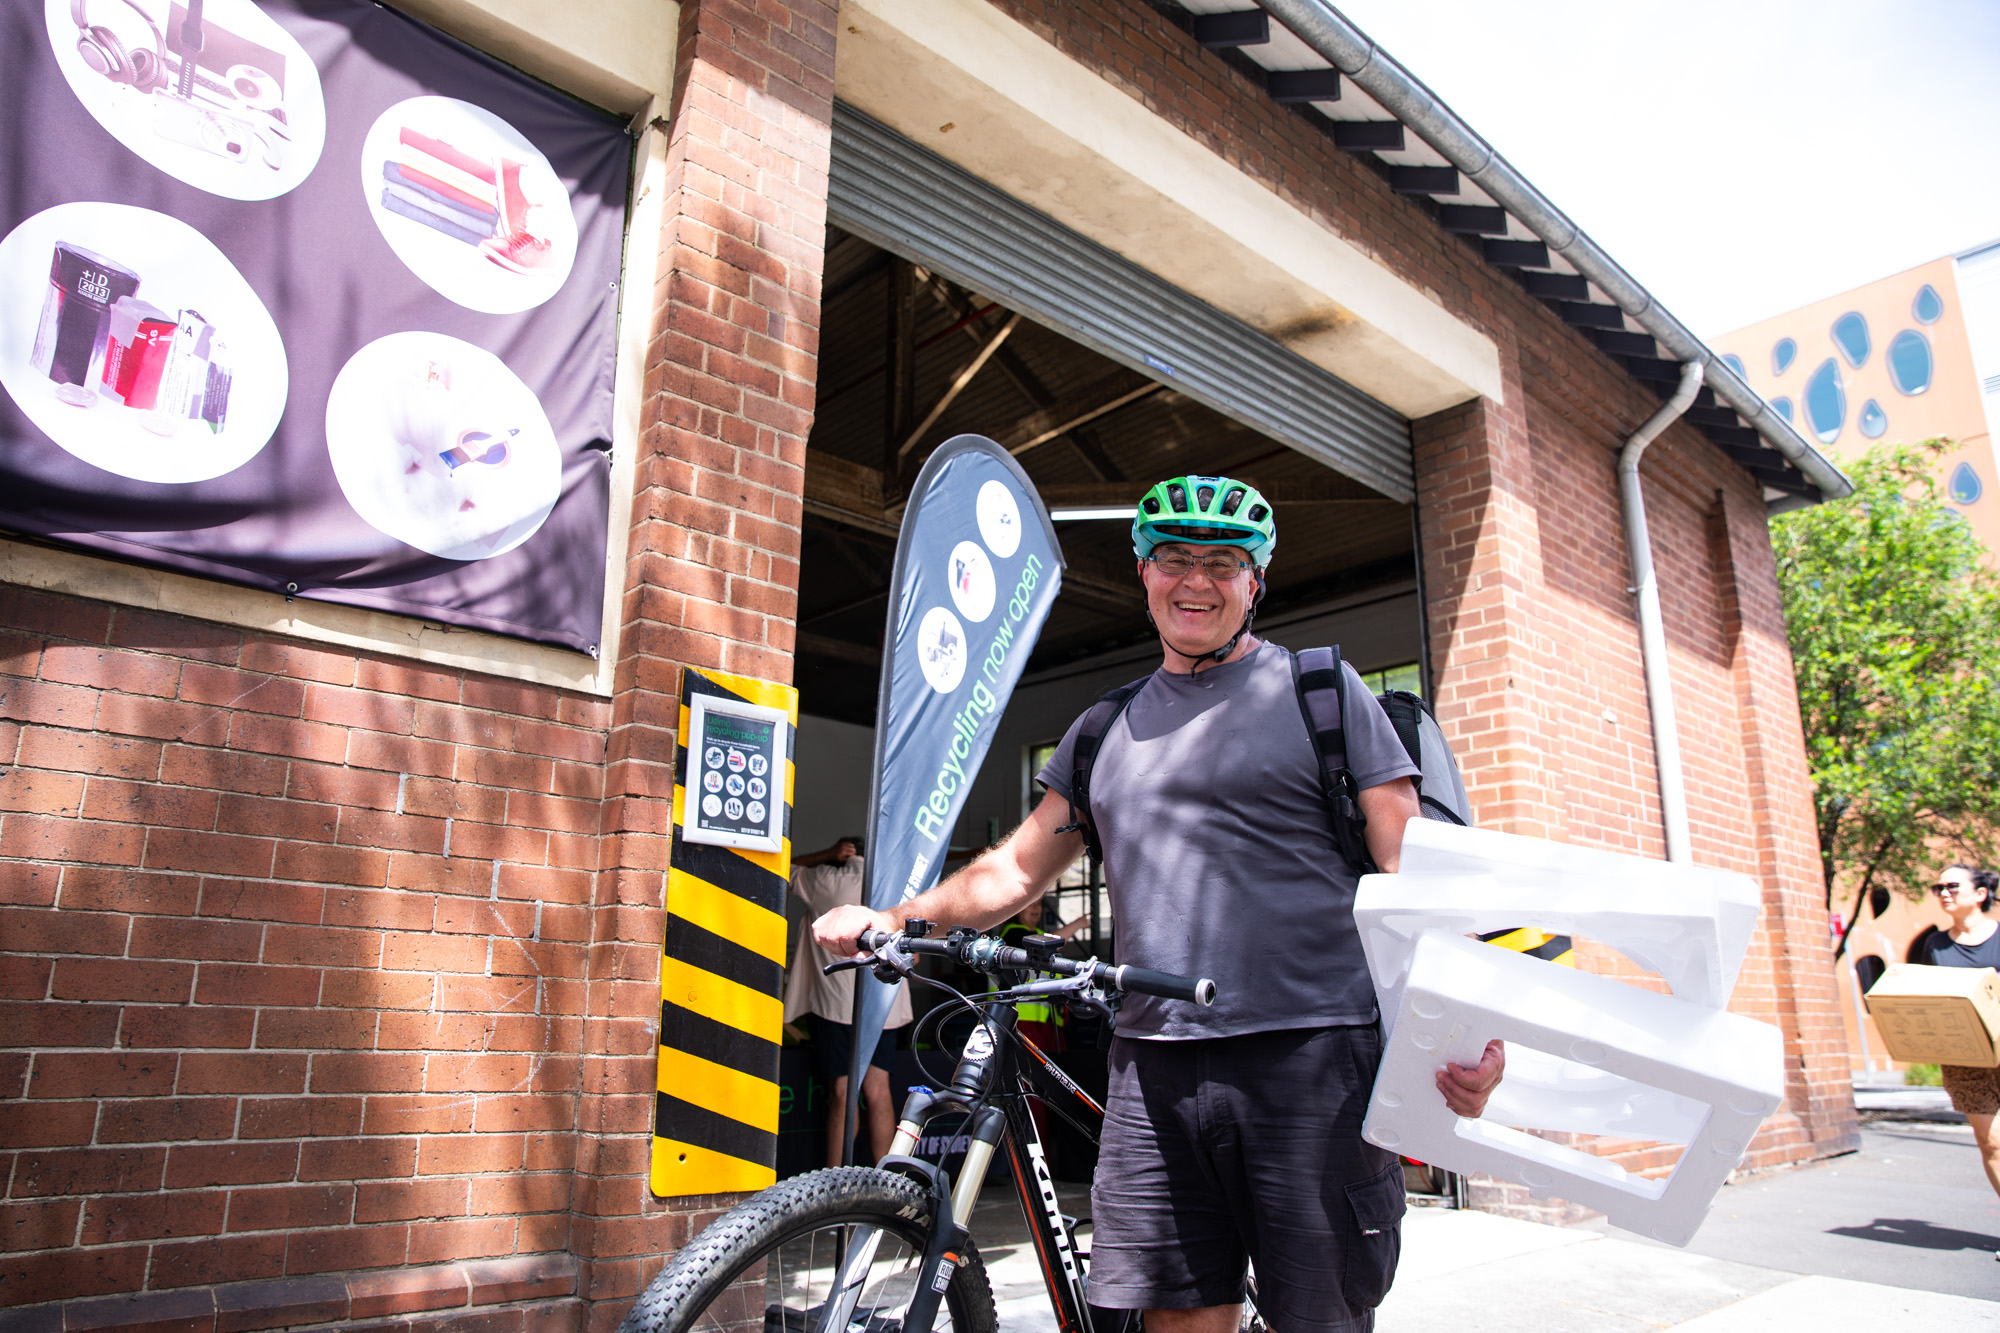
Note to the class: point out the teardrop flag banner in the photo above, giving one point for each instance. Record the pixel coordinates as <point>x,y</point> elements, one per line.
<point>977,569</point>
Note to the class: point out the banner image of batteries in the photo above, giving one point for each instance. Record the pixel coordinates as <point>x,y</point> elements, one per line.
<point>305,296</point>
<point>977,570</point>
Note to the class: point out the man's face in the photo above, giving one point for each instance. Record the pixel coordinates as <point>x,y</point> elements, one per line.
<point>1195,612</point>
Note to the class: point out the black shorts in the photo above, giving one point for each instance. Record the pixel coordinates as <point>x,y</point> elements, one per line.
<point>833,1048</point>
<point>1246,1148</point>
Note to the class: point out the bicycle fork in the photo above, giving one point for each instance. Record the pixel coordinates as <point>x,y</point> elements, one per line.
<point>951,1221</point>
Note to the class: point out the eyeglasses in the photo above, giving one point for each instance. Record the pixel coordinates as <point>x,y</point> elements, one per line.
<point>1179,564</point>
<point>1950,886</point>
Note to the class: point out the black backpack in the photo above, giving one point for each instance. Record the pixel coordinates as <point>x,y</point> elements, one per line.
<point>1322,685</point>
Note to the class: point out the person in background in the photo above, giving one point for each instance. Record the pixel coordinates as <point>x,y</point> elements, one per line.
<point>1039,1022</point>
<point>824,880</point>
<point>1972,941</point>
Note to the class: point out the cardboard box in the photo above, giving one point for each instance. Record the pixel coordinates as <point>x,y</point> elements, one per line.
<point>1939,1015</point>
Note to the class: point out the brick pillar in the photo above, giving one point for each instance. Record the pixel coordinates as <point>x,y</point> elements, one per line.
<point>1482,569</point>
<point>712,576</point>
<point>1819,1099</point>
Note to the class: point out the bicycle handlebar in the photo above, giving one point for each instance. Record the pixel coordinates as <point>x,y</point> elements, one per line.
<point>985,954</point>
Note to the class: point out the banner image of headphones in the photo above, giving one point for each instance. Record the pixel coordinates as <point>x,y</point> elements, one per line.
<point>212,92</point>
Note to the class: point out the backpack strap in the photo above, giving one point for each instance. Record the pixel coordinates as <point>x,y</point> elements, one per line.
<point>1090,736</point>
<point>1321,681</point>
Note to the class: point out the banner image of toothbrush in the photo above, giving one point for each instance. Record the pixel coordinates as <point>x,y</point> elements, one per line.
<point>468,203</point>
<point>439,445</point>
<point>311,298</point>
<point>244,118</point>
<point>147,354</point>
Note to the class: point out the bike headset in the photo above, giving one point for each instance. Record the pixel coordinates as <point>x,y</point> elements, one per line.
<point>1197,510</point>
<point>936,1018</point>
<point>106,54</point>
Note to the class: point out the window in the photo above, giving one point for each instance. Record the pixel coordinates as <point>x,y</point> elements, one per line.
<point>1965,487</point>
<point>1783,407</point>
<point>1850,335</point>
<point>1910,363</point>
<point>1873,421</point>
<point>1825,401</point>
<point>1035,756</point>
<point>1409,676</point>
<point>1735,363</point>
<point>1783,353</point>
<point>1928,308</point>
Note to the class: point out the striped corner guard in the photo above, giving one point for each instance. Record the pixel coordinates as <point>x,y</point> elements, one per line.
<point>715,1122</point>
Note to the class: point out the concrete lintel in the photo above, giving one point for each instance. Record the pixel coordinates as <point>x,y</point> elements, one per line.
<point>617,54</point>
<point>987,93</point>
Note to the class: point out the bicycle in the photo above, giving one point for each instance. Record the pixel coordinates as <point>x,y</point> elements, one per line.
<point>886,1249</point>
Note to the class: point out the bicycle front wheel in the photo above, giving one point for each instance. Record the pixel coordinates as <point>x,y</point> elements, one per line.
<point>776,1260</point>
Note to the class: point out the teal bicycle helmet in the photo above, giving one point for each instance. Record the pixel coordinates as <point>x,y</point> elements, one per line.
<point>1208,511</point>
<point>1205,511</point>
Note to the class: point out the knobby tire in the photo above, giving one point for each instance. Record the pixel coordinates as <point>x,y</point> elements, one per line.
<point>706,1267</point>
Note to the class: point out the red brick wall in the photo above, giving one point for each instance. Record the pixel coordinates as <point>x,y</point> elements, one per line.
<point>297,942</point>
<point>332,981</point>
<point>712,578</point>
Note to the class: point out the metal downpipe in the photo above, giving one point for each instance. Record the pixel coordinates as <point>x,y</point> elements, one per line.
<point>1323,28</point>
<point>1652,628</point>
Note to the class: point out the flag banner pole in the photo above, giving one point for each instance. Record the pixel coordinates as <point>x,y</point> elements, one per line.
<point>977,569</point>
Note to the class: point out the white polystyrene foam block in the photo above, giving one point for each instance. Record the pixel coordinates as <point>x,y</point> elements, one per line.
<point>1691,924</point>
<point>1719,1070</point>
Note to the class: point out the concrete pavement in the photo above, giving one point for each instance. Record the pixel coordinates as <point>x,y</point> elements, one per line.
<point>1911,1209</point>
<point>1900,1235</point>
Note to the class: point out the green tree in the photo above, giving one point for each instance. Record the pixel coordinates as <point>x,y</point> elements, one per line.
<point>1895,630</point>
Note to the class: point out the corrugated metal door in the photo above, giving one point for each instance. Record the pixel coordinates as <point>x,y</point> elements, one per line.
<point>907,199</point>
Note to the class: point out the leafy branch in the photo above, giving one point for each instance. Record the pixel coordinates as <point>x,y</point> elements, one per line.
<point>1894,624</point>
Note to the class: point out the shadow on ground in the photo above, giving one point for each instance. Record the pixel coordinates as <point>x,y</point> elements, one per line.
<point>1922,1235</point>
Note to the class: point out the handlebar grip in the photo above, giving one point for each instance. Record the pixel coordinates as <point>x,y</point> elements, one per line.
<point>1145,981</point>
<point>871,940</point>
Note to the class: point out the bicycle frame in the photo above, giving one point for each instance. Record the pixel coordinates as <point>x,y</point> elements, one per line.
<point>991,1085</point>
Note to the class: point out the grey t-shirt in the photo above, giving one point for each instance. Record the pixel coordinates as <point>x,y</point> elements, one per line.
<point>1218,854</point>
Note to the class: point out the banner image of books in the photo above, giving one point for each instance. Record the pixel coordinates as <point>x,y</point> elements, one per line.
<point>243,118</point>
<point>135,345</point>
<point>468,203</point>
<point>221,357</point>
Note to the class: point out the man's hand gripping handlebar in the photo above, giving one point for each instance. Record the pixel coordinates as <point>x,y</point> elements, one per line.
<point>890,952</point>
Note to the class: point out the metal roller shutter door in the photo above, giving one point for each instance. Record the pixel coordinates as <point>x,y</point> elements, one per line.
<point>903,197</point>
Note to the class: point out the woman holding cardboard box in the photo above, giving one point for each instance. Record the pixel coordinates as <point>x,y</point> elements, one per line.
<point>1972,941</point>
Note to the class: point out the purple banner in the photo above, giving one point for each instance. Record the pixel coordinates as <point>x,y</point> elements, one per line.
<point>308,297</point>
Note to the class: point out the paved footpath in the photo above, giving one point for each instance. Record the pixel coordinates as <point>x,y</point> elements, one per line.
<point>1900,1235</point>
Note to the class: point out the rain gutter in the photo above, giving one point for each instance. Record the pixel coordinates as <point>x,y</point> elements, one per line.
<point>1323,28</point>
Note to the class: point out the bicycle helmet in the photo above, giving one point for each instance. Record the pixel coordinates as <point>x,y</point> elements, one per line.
<point>1208,511</point>
<point>1205,511</point>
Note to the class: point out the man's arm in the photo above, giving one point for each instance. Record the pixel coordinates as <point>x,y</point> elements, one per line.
<point>1387,808</point>
<point>985,893</point>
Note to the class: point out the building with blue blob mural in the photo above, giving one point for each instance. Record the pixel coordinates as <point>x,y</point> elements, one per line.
<point>1913,356</point>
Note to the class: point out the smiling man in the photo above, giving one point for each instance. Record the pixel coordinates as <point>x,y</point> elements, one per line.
<point>1232,1132</point>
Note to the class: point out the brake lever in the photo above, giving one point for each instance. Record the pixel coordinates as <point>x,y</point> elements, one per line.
<point>845,964</point>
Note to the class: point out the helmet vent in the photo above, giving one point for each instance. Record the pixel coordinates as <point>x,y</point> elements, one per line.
<point>1151,506</point>
<point>1177,497</point>
<point>1232,502</point>
<point>1257,513</point>
<point>1204,496</point>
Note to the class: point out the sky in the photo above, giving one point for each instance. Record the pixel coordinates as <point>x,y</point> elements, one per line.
<point>1740,158</point>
